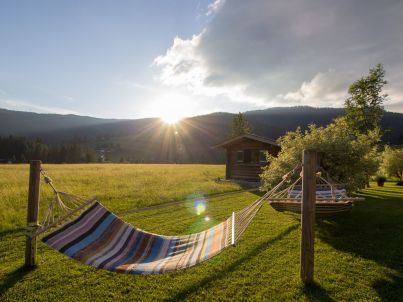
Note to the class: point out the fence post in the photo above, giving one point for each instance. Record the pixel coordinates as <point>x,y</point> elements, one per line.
<point>32,213</point>
<point>309,160</point>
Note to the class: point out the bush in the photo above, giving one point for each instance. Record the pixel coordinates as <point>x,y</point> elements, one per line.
<point>392,163</point>
<point>348,158</point>
<point>380,178</point>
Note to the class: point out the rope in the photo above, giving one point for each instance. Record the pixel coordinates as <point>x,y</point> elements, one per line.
<point>333,199</point>
<point>61,208</point>
<point>244,217</point>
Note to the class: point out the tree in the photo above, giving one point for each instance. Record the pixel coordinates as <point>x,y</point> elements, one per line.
<point>364,107</point>
<point>347,159</point>
<point>392,163</point>
<point>90,156</point>
<point>240,125</point>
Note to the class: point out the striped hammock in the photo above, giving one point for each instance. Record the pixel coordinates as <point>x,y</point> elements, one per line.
<point>99,238</point>
<point>320,193</point>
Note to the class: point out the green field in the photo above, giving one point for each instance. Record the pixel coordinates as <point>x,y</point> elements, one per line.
<point>358,256</point>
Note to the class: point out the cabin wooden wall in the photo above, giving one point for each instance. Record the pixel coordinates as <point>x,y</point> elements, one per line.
<point>242,171</point>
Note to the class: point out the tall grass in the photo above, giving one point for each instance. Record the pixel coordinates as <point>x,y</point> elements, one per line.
<point>118,186</point>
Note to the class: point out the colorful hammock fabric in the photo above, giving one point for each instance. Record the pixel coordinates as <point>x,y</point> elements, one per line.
<point>99,238</point>
<point>321,208</point>
<point>320,193</point>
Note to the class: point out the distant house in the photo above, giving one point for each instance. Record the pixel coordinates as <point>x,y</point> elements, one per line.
<point>246,156</point>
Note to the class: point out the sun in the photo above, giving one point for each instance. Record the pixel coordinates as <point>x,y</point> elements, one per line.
<point>171,118</point>
<point>171,108</point>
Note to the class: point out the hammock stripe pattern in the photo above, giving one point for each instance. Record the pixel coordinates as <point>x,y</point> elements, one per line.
<point>320,193</point>
<point>100,239</point>
<point>322,208</point>
<point>331,198</point>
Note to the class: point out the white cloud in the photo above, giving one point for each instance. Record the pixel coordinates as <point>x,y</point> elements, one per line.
<point>325,89</point>
<point>214,7</point>
<point>27,106</point>
<point>269,52</point>
<point>183,65</point>
<point>49,93</point>
<point>137,85</point>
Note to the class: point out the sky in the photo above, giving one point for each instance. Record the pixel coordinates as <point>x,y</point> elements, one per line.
<point>177,58</point>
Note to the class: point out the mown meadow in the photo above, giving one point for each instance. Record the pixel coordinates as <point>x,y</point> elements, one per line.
<point>358,256</point>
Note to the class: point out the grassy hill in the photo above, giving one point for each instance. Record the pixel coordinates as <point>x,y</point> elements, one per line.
<point>189,141</point>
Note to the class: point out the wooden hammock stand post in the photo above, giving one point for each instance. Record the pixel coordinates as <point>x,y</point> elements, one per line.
<point>309,160</point>
<point>32,213</point>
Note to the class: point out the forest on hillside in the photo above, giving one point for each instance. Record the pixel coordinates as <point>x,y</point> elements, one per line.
<point>87,139</point>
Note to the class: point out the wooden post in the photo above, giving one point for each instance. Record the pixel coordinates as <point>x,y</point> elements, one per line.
<point>32,213</point>
<point>228,164</point>
<point>309,160</point>
<point>233,229</point>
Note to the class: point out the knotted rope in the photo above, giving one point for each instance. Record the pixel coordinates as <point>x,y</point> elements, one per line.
<point>61,208</point>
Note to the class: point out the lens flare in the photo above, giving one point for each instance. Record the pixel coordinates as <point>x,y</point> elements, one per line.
<point>196,203</point>
<point>200,206</point>
<point>201,224</point>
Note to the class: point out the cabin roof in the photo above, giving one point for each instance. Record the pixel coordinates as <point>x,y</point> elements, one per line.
<point>247,136</point>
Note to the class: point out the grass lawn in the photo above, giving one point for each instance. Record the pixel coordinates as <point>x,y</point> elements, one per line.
<point>358,256</point>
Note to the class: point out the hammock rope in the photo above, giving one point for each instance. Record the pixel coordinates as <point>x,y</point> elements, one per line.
<point>62,208</point>
<point>88,232</point>
<point>331,197</point>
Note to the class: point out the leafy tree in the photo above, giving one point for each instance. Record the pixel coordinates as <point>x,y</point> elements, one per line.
<point>364,107</point>
<point>240,125</point>
<point>392,162</point>
<point>347,159</point>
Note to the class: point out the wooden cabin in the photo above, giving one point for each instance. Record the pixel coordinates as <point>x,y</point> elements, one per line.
<point>246,156</point>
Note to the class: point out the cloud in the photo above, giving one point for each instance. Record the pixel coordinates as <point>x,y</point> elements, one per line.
<point>268,52</point>
<point>184,65</point>
<point>27,106</point>
<point>137,85</point>
<point>48,92</point>
<point>214,7</point>
<point>395,106</point>
<point>325,89</point>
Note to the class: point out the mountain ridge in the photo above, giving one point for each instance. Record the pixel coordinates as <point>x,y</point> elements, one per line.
<point>190,140</point>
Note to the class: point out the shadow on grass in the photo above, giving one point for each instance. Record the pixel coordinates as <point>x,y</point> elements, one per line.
<point>19,231</point>
<point>183,294</point>
<point>314,292</point>
<point>389,289</point>
<point>374,231</point>
<point>11,278</point>
<point>172,203</point>
<point>374,190</point>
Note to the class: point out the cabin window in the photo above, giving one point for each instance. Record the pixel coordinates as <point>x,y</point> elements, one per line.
<point>246,156</point>
<point>254,157</point>
<point>239,156</point>
<point>251,157</point>
<point>262,157</point>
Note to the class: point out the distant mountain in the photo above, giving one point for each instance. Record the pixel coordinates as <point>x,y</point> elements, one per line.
<point>275,122</point>
<point>26,123</point>
<point>150,140</point>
